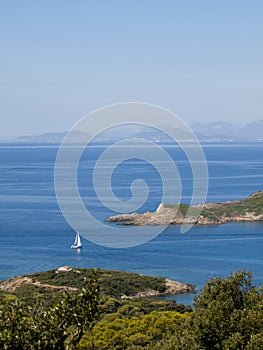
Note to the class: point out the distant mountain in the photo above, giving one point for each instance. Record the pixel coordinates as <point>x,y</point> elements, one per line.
<point>253,130</point>
<point>227,131</point>
<point>222,129</point>
<point>219,130</point>
<point>111,135</point>
<point>46,137</point>
<point>51,137</point>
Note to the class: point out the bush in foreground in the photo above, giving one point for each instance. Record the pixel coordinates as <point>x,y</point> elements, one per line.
<point>228,315</point>
<point>60,326</point>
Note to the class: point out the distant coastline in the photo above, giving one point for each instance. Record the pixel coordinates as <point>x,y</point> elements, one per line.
<point>218,131</point>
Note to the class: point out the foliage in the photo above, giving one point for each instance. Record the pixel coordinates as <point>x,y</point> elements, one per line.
<point>112,283</point>
<point>130,308</point>
<point>58,327</point>
<point>252,204</point>
<point>117,283</point>
<point>131,323</point>
<point>123,333</point>
<point>228,315</point>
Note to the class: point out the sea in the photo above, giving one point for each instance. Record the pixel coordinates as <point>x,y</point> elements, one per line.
<point>35,236</point>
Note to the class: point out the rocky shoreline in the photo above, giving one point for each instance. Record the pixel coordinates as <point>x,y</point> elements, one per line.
<point>171,288</point>
<point>249,209</point>
<point>12,284</point>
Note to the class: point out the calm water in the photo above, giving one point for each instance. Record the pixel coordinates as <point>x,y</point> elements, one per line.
<point>34,235</point>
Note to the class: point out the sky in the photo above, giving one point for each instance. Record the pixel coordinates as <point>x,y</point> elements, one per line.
<point>62,59</point>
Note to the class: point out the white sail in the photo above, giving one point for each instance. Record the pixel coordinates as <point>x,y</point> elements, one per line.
<point>77,243</point>
<point>78,240</point>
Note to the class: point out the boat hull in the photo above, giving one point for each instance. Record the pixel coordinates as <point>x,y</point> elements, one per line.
<point>76,247</point>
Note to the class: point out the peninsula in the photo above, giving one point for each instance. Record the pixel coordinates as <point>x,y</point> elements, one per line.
<point>114,284</point>
<point>249,209</point>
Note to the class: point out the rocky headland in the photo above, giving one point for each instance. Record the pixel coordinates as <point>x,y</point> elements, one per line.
<point>249,209</point>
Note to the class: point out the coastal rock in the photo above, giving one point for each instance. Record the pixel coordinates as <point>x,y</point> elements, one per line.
<point>64,269</point>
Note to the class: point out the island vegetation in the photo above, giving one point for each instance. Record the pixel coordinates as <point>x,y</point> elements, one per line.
<point>49,285</point>
<point>249,209</point>
<point>86,314</point>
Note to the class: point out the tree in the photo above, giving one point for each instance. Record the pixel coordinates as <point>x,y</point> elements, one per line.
<point>136,331</point>
<point>60,326</point>
<point>221,309</point>
<point>228,315</point>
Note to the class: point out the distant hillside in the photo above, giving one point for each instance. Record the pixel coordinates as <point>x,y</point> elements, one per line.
<point>218,130</point>
<point>228,131</point>
<point>51,137</point>
<point>111,135</point>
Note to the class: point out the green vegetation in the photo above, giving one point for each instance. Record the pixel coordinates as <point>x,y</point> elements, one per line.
<point>252,204</point>
<point>215,211</point>
<point>228,314</point>
<point>183,208</point>
<point>125,333</point>
<point>112,284</point>
<point>58,326</point>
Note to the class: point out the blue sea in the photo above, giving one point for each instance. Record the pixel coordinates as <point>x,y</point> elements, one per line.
<point>34,236</point>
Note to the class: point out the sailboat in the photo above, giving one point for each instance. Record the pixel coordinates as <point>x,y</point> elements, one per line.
<point>77,244</point>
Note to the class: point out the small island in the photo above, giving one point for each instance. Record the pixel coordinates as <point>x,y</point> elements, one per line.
<point>249,209</point>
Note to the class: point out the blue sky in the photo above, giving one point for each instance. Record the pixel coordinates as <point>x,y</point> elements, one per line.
<point>62,59</point>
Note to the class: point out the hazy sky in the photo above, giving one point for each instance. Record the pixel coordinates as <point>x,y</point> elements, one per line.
<point>62,59</point>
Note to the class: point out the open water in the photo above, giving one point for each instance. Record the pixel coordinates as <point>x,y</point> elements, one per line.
<point>34,235</point>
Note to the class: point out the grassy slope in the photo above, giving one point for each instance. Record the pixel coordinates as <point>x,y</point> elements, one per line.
<point>252,204</point>
<point>213,211</point>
